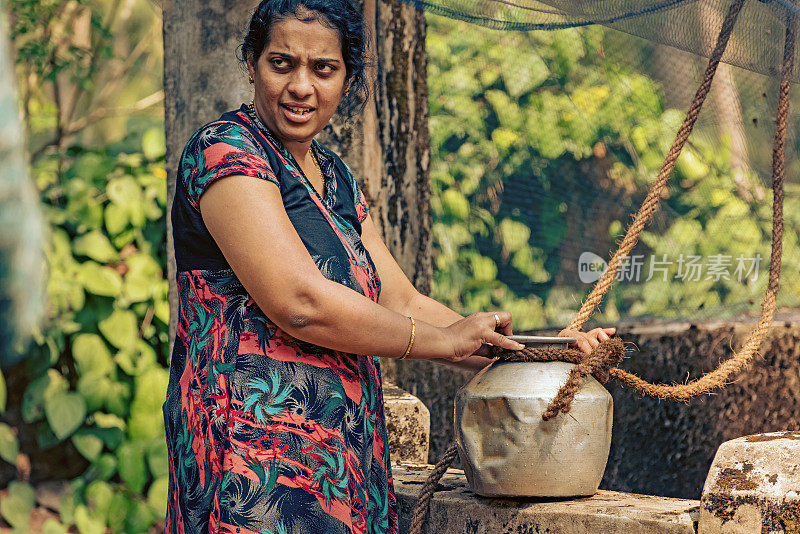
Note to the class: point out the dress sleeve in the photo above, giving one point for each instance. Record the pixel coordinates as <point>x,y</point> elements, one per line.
<point>217,150</point>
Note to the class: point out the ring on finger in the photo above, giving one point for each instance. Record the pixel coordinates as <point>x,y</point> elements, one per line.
<point>496,321</point>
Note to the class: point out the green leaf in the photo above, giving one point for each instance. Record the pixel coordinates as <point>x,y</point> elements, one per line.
<point>38,391</point>
<point>125,238</point>
<point>117,512</point>
<point>140,359</point>
<point>131,465</point>
<point>95,389</point>
<point>88,444</point>
<point>154,144</point>
<point>99,279</point>
<point>157,458</point>
<point>86,523</point>
<point>124,192</point>
<point>162,310</point>
<point>120,329</point>
<point>146,420</point>
<point>107,420</point>
<point>9,444</point>
<point>143,278</point>
<point>483,268</point>
<point>455,204</point>
<point>17,507</point>
<point>51,526</point>
<point>95,245</point>
<point>69,500</point>
<point>103,468</point>
<point>140,517</point>
<point>157,496</point>
<point>138,288</point>
<point>151,208</point>
<point>515,234</point>
<point>116,218</point>
<point>91,354</point>
<point>112,437</point>
<point>118,399</point>
<point>99,495</point>
<point>523,72</point>
<point>65,412</point>
<point>45,438</point>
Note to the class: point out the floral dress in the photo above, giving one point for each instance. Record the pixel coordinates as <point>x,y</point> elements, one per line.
<point>266,433</point>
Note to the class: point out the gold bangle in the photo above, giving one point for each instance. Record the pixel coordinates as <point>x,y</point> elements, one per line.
<point>410,341</point>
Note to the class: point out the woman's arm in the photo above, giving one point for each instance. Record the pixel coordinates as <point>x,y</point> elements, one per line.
<point>400,295</point>
<point>247,219</point>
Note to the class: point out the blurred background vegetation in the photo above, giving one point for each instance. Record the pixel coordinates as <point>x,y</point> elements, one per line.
<point>543,144</point>
<point>84,403</point>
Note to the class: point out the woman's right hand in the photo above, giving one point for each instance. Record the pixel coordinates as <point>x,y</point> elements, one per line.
<point>470,333</point>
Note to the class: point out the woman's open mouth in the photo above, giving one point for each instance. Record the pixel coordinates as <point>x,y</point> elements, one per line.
<point>297,114</point>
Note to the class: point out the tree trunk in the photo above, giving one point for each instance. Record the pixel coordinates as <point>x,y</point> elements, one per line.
<point>387,147</point>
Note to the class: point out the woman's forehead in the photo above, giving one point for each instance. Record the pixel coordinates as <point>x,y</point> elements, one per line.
<point>304,39</point>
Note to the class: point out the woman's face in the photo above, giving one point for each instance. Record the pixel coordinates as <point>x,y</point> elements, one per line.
<point>299,79</point>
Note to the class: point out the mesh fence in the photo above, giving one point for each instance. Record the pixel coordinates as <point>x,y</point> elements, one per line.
<point>552,135</point>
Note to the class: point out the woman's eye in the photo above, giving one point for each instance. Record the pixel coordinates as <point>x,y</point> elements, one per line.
<point>278,63</point>
<point>326,68</point>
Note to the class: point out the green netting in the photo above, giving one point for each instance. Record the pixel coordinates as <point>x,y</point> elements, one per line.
<point>691,25</point>
<point>545,142</point>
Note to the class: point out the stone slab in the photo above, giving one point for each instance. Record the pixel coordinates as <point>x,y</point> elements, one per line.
<point>408,424</point>
<point>754,486</point>
<point>456,509</point>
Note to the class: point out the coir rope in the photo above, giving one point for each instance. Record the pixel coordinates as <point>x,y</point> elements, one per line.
<point>603,360</point>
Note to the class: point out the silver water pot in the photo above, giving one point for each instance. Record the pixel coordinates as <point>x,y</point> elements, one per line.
<point>506,448</point>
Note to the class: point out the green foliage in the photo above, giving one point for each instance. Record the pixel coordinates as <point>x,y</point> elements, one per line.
<point>9,444</point>
<point>98,371</point>
<point>17,506</point>
<point>96,376</point>
<point>552,108</point>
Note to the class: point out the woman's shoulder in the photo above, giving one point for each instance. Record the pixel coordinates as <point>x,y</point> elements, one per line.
<point>221,148</point>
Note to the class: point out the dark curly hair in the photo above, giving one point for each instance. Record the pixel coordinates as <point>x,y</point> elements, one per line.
<point>340,15</point>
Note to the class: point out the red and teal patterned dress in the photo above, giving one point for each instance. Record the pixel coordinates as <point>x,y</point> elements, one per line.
<point>266,433</point>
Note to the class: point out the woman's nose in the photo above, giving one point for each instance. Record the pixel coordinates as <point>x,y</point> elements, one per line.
<point>301,83</point>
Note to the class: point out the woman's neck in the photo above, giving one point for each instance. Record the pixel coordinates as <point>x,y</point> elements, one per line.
<point>298,149</point>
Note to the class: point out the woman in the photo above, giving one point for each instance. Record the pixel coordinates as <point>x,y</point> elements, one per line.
<point>274,412</point>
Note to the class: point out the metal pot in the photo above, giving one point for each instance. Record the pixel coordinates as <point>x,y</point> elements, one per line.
<point>506,448</point>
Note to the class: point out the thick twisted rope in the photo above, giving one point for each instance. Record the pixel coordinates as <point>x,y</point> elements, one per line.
<point>652,200</point>
<point>426,492</point>
<point>605,357</point>
<point>722,375</point>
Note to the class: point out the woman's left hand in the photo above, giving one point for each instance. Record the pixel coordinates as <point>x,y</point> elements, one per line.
<point>587,341</point>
